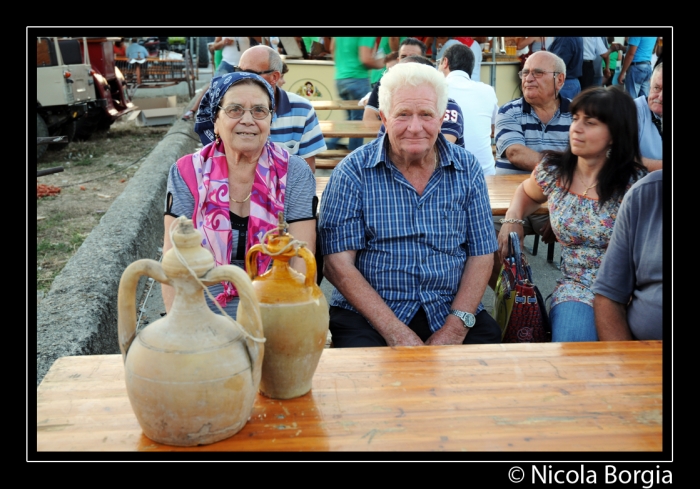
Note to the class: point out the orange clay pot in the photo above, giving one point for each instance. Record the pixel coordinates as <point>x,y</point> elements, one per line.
<point>192,376</point>
<point>294,316</point>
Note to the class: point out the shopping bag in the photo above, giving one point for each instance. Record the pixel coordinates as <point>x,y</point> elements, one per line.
<point>519,307</point>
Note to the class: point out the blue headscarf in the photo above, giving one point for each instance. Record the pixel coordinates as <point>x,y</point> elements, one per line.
<point>209,105</point>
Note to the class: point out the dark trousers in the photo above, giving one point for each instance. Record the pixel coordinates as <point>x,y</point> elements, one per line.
<point>587,75</point>
<point>350,329</point>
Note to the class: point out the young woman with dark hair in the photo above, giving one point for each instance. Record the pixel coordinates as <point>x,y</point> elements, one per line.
<point>583,187</point>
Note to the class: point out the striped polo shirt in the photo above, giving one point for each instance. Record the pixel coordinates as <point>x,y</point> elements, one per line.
<point>517,123</point>
<point>295,126</point>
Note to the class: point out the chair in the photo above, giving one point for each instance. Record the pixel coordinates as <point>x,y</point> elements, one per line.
<point>550,248</point>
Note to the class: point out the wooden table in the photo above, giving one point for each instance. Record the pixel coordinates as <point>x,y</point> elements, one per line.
<point>501,190</point>
<point>601,396</point>
<point>349,129</point>
<point>336,105</point>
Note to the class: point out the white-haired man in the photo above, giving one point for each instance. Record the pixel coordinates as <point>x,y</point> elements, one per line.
<point>406,228</point>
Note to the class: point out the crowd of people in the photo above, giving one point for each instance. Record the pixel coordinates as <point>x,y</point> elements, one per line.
<point>405,226</point>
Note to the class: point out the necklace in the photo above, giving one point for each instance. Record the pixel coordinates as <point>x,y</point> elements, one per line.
<point>241,201</point>
<point>585,192</point>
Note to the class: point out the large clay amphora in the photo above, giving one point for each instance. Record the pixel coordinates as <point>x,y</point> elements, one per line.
<point>192,376</point>
<point>294,315</point>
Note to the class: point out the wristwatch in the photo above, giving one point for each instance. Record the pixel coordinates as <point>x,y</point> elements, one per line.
<point>467,317</point>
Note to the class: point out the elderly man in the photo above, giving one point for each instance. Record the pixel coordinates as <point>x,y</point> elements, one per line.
<point>527,126</point>
<point>294,125</point>
<point>650,111</point>
<point>406,230</point>
<point>629,287</point>
<point>477,100</point>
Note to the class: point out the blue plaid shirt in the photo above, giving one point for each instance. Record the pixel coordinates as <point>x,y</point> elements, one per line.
<point>410,248</point>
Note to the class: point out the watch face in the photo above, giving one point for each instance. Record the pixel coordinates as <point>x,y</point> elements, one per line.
<point>467,318</point>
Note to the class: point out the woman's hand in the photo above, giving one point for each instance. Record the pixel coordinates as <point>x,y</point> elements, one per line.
<point>504,234</point>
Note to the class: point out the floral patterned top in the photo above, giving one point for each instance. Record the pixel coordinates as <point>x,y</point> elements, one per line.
<point>583,229</point>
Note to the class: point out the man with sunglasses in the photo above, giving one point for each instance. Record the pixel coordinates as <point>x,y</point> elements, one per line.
<point>294,125</point>
<point>527,126</point>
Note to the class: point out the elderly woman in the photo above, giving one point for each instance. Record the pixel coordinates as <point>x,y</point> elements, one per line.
<point>235,186</point>
<point>583,187</point>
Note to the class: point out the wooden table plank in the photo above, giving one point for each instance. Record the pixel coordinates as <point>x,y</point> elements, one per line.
<point>601,396</point>
<point>336,105</point>
<point>349,129</point>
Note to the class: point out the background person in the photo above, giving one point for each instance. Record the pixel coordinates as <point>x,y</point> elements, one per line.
<point>237,184</point>
<point>583,187</point>
<point>628,292</point>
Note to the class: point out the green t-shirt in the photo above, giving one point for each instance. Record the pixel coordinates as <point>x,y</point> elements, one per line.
<point>308,42</point>
<point>347,57</point>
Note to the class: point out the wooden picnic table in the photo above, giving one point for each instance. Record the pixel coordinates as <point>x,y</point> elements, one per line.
<point>599,396</point>
<point>349,129</point>
<point>501,190</point>
<point>336,105</point>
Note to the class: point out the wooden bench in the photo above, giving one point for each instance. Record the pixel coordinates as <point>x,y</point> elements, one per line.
<point>327,163</point>
<point>333,153</point>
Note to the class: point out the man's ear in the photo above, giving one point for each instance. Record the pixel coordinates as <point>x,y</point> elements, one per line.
<point>561,78</point>
<point>382,117</point>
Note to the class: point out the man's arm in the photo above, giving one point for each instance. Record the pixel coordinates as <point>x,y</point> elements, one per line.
<point>339,269</point>
<point>367,58</point>
<point>370,115</point>
<point>651,164</point>
<point>523,157</point>
<point>311,160</point>
<point>629,57</point>
<point>471,290</point>
<point>611,319</point>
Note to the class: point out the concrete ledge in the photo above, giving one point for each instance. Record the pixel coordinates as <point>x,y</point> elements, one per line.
<point>79,314</point>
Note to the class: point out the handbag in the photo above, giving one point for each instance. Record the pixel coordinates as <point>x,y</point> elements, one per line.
<point>519,308</point>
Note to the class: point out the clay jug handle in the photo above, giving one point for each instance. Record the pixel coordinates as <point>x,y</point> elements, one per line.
<point>251,262</point>
<point>126,302</point>
<point>248,313</point>
<point>310,261</point>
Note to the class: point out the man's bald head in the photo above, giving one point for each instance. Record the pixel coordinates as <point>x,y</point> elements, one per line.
<point>264,61</point>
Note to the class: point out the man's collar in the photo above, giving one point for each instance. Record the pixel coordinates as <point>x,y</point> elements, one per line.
<point>282,104</point>
<point>458,73</point>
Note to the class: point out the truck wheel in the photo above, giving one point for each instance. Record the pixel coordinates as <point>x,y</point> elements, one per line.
<point>42,132</point>
<point>202,52</point>
<point>67,130</point>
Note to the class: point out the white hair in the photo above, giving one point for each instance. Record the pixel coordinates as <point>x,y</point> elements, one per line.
<point>412,75</point>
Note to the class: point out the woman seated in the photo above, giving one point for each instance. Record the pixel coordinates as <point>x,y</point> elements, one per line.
<point>583,187</point>
<point>235,186</point>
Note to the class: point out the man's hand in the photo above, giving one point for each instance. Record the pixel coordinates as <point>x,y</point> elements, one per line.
<point>452,332</point>
<point>400,335</point>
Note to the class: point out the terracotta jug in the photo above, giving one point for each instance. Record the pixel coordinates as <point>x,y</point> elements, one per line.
<point>192,376</point>
<point>294,315</point>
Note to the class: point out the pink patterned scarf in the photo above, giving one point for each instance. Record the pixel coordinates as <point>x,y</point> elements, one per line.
<point>206,175</point>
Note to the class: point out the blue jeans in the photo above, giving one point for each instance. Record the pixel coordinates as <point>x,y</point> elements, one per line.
<point>637,80</point>
<point>353,89</point>
<point>224,68</point>
<point>573,321</point>
<point>571,88</point>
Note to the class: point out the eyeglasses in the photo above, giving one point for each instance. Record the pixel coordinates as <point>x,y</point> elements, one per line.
<point>536,73</point>
<point>259,73</point>
<point>236,111</point>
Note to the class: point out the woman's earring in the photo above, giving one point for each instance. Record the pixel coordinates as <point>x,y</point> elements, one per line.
<point>608,153</point>
<point>217,139</point>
